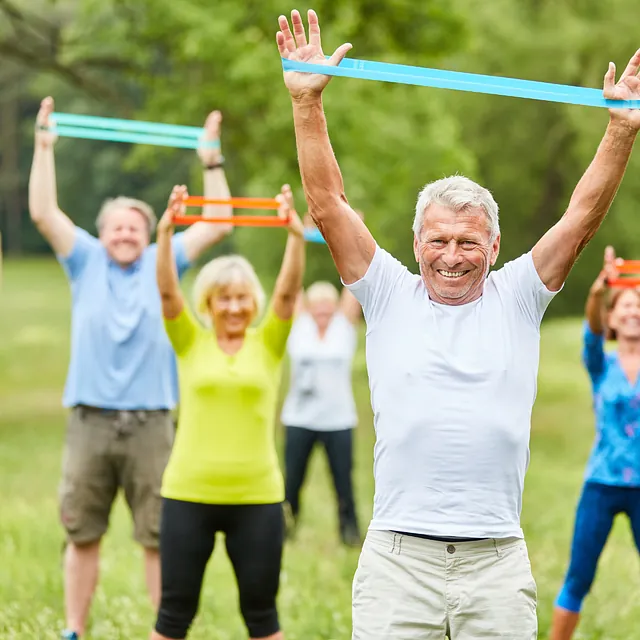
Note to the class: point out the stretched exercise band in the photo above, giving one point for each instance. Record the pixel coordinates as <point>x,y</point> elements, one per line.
<point>624,283</point>
<point>129,136</point>
<point>98,122</point>
<point>236,203</point>
<point>236,221</point>
<point>495,85</point>
<point>627,266</point>
<point>132,131</point>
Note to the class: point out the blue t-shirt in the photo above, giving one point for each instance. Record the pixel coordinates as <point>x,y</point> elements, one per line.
<point>121,357</point>
<point>615,458</point>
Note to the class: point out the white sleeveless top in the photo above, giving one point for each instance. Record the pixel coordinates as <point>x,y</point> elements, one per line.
<point>320,393</point>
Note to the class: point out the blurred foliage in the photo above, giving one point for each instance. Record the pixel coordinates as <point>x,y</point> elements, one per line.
<point>175,60</point>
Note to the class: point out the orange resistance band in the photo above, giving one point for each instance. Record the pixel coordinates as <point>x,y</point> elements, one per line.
<point>624,283</point>
<point>236,203</point>
<point>236,221</point>
<point>628,266</point>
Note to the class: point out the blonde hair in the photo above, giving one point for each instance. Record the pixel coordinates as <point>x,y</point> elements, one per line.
<point>322,290</point>
<point>220,272</point>
<point>122,202</point>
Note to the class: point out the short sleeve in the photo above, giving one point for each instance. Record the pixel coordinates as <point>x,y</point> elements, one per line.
<point>84,245</point>
<point>182,261</point>
<point>376,289</point>
<point>275,332</point>
<point>593,354</point>
<point>521,279</point>
<point>182,331</point>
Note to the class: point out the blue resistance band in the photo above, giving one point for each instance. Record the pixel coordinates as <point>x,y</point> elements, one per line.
<point>314,235</point>
<point>495,85</point>
<point>116,124</point>
<point>134,138</point>
<point>133,131</point>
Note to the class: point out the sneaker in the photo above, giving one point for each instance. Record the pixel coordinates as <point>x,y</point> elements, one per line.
<point>69,635</point>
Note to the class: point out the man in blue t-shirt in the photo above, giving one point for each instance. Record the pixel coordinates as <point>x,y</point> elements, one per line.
<point>121,383</point>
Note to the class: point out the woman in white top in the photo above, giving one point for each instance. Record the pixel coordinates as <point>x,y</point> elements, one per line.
<point>320,406</point>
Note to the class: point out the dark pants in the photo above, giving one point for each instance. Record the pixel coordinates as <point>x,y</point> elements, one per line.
<point>339,448</point>
<point>599,505</point>
<point>254,538</point>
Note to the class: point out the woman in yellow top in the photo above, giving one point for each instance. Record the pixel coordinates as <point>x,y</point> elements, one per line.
<point>223,474</point>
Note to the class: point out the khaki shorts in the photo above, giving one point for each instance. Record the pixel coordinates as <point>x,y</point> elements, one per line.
<point>409,588</point>
<point>106,450</point>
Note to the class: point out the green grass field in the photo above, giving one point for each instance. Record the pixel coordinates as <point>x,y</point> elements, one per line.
<point>316,580</point>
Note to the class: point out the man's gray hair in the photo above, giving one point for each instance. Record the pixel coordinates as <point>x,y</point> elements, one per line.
<point>122,202</point>
<point>458,194</point>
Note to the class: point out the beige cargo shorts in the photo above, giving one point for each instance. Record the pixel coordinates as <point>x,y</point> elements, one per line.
<point>409,588</point>
<point>107,450</point>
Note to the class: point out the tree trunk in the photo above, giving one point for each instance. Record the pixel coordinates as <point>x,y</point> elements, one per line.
<point>10,203</point>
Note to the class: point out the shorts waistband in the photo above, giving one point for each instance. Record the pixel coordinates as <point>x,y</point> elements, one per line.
<point>398,542</point>
<point>108,411</point>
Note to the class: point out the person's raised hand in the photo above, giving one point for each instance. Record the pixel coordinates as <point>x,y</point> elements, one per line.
<point>287,211</point>
<point>45,138</point>
<point>294,46</point>
<point>627,88</point>
<point>609,271</point>
<point>175,207</point>
<point>211,155</point>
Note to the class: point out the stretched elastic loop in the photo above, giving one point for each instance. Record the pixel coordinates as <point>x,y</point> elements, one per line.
<point>136,126</point>
<point>236,203</point>
<point>624,283</point>
<point>628,266</point>
<point>236,221</point>
<point>494,85</point>
<point>130,137</point>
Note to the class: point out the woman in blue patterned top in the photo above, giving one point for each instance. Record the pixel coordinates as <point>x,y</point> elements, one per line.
<point>612,483</point>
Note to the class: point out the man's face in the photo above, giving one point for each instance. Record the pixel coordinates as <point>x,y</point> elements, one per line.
<point>455,252</point>
<point>125,234</point>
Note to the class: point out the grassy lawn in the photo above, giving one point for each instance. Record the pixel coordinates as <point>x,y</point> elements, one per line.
<point>316,581</point>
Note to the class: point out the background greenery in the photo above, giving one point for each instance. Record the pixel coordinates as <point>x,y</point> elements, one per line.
<point>175,60</point>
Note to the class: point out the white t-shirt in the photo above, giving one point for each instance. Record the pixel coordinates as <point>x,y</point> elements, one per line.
<point>452,389</point>
<point>320,394</point>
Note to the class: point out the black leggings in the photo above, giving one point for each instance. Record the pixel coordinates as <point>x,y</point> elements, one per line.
<point>254,539</point>
<point>339,448</point>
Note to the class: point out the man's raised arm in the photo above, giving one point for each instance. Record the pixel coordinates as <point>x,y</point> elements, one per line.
<point>556,252</point>
<point>350,242</point>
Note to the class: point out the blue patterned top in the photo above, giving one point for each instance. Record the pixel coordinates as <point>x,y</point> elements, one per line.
<point>615,457</point>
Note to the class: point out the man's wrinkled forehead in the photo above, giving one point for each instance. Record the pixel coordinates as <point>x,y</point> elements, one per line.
<point>471,221</point>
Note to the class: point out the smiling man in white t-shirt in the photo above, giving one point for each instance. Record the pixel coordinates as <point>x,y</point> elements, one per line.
<point>453,359</point>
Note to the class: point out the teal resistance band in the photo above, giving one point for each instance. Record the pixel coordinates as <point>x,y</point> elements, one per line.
<point>404,74</point>
<point>132,131</point>
<point>314,235</point>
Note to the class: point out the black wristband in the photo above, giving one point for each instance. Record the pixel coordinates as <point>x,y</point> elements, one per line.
<point>217,165</point>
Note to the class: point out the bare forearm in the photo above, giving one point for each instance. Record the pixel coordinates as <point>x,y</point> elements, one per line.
<point>593,311</point>
<point>290,277</point>
<point>43,193</point>
<point>202,235</point>
<point>556,252</point>
<point>167,277</point>
<point>352,246</point>
<point>597,188</point>
<point>215,186</point>
<point>321,177</point>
